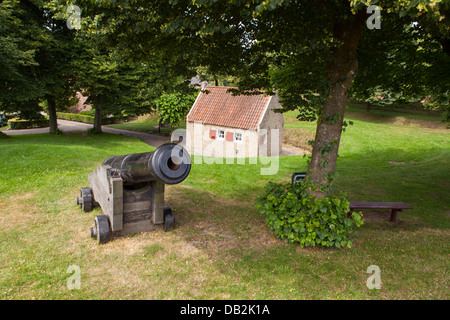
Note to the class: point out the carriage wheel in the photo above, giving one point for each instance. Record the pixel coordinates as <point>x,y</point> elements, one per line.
<point>169,219</point>
<point>86,199</point>
<point>101,229</point>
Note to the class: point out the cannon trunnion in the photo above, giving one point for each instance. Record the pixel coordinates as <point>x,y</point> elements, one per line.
<point>130,191</point>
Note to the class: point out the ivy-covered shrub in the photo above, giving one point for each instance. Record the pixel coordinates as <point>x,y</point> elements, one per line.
<point>297,217</point>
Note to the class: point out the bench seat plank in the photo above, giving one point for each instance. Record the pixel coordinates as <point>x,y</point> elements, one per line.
<point>379,205</point>
<point>393,206</point>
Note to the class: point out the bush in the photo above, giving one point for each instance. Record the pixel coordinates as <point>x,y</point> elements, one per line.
<point>297,217</point>
<point>75,117</point>
<point>87,112</point>
<point>16,124</point>
<point>58,132</point>
<point>82,118</point>
<point>173,108</point>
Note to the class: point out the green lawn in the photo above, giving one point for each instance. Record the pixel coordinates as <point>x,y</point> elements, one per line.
<point>221,248</point>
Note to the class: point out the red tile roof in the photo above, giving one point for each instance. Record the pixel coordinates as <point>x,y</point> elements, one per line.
<point>221,108</point>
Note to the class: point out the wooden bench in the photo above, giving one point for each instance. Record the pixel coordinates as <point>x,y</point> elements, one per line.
<point>393,206</point>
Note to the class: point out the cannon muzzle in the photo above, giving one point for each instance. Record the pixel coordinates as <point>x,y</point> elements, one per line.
<point>169,163</point>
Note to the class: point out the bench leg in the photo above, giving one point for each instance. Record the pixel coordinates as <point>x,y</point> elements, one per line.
<point>394,215</point>
<point>349,214</point>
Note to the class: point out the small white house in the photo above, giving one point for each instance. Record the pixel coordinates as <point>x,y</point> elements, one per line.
<point>220,124</point>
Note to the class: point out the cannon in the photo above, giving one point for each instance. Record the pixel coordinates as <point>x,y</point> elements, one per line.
<point>130,191</point>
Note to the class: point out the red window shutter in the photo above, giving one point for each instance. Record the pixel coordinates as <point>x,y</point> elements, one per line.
<point>262,138</point>
<point>212,134</point>
<point>229,136</point>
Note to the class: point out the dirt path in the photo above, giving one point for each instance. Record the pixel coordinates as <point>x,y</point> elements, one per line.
<point>72,126</point>
<point>150,139</point>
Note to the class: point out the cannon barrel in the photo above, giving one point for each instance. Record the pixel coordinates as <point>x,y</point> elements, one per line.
<point>169,163</point>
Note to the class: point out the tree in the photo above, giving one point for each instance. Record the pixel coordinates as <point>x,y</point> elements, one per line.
<point>35,59</point>
<point>268,45</point>
<point>404,60</point>
<point>173,107</point>
<point>18,44</point>
<point>114,82</point>
<point>55,72</point>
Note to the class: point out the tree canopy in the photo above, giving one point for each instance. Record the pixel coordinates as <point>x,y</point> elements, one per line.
<point>314,53</point>
<point>35,59</point>
<point>309,51</point>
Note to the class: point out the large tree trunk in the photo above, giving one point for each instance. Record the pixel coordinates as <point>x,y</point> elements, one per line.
<point>340,73</point>
<point>98,120</point>
<point>52,114</point>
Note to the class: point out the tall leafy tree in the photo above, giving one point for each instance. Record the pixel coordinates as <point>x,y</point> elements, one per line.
<point>307,50</point>
<point>56,73</point>
<point>114,80</point>
<point>19,39</point>
<point>112,85</point>
<point>36,55</point>
<point>403,59</point>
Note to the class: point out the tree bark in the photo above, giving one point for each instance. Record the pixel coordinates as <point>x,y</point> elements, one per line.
<point>52,114</point>
<point>340,72</point>
<point>98,120</point>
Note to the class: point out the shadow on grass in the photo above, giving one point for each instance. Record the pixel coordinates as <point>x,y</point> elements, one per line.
<point>396,118</point>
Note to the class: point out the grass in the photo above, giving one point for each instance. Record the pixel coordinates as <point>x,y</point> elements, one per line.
<point>221,247</point>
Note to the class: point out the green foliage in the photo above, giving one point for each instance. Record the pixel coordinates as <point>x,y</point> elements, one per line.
<point>404,62</point>
<point>82,118</point>
<point>93,131</point>
<point>16,124</point>
<point>173,107</point>
<point>75,117</point>
<point>87,112</point>
<point>297,217</point>
<point>35,56</point>
<point>446,115</point>
<point>58,132</point>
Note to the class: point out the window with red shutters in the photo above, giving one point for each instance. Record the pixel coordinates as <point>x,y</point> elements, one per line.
<point>212,134</point>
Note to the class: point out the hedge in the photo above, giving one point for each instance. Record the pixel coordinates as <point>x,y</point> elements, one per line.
<point>27,124</point>
<point>82,118</point>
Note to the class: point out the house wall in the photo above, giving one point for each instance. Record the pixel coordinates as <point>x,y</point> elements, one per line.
<point>271,120</point>
<point>199,135</point>
<point>80,106</point>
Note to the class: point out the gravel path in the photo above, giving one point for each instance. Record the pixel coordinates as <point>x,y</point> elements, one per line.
<point>72,126</point>
<point>150,139</point>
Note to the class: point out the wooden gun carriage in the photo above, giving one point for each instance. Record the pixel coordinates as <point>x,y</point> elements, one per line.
<point>130,191</point>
